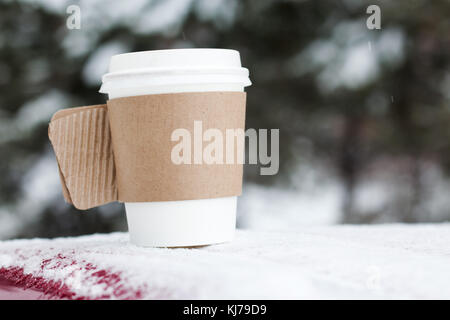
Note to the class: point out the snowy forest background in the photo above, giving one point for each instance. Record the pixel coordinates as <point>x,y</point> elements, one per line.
<point>364,115</point>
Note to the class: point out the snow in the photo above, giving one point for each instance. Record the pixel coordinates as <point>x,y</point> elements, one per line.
<point>277,208</point>
<point>221,12</point>
<point>351,58</point>
<point>390,46</point>
<point>332,262</point>
<point>41,189</point>
<point>31,115</point>
<point>98,62</point>
<point>163,16</point>
<point>312,196</point>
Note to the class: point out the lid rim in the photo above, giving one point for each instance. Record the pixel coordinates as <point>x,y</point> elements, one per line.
<point>180,70</point>
<point>106,87</point>
<point>112,76</point>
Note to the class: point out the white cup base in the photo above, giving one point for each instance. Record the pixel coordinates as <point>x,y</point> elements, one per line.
<point>181,223</point>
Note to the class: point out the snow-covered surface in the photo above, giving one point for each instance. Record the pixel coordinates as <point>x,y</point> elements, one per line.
<point>385,261</point>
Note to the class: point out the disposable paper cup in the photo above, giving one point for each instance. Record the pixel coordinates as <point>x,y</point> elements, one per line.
<point>187,222</point>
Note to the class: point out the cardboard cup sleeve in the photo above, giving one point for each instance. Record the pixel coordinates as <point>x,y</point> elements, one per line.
<point>122,151</point>
<point>81,140</point>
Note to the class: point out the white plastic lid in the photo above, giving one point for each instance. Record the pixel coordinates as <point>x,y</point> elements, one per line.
<point>174,67</point>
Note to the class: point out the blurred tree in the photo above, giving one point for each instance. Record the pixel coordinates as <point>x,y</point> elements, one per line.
<point>362,98</point>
